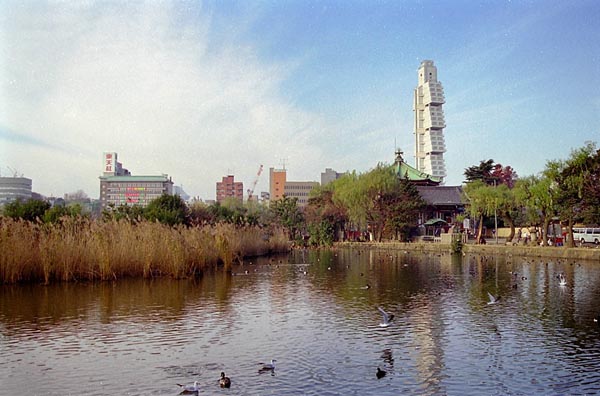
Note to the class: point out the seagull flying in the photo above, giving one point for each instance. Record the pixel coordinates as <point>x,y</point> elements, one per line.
<point>493,299</point>
<point>562,281</point>
<point>387,318</point>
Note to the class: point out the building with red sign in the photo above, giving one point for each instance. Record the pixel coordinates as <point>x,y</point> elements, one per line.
<point>118,187</point>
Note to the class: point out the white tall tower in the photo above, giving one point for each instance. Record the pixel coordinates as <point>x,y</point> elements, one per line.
<point>429,122</point>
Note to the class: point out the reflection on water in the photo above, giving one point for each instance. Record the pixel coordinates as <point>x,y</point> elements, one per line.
<point>315,312</point>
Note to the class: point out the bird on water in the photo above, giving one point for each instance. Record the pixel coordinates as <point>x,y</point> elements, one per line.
<point>189,389</point>
<point>225,382</point>
<point>267,367</point>
<point>386,317</point>
<point>380,373</point>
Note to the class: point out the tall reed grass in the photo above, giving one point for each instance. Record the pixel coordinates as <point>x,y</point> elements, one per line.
<point>81,249</point>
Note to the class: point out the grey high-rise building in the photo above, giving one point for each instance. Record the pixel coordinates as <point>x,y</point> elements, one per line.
<point>329,176</point>
<point>429,122</point>
<point>13,188</point>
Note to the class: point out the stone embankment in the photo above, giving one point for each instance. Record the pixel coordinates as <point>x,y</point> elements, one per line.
<point>577,253</point>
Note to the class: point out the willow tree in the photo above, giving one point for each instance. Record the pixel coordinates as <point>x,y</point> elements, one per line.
<point>495,183</point>
<point>348,194</point>
<point>537,195</point>
<point>378,199</point>
<point>507,207</point>
<point>482,200</point>
<point>571,179</point>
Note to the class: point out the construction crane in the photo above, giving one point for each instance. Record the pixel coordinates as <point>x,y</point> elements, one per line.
<point>15,172</point>
<point>251,190</point>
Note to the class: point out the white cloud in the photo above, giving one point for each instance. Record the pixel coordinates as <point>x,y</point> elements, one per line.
<point>136,79</point>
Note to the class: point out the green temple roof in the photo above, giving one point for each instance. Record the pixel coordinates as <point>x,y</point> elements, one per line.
<point>405,171</point>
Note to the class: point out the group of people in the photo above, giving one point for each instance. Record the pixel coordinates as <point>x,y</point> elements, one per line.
<point>525,235</point>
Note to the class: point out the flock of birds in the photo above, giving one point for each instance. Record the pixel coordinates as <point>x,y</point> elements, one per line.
<point>193,389</point>
<point>562,281</point>
<point>224,381</point>
<point>386,321</point>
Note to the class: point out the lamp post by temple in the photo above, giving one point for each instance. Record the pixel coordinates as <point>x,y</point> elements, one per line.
<point>495,214</point>
<point>495,224</point>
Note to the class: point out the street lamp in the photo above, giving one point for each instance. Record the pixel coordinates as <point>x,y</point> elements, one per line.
<point>495,214</point>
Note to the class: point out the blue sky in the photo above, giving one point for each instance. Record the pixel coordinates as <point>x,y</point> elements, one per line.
<point>199,90</point>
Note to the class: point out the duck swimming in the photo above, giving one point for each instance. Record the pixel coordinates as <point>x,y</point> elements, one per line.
<point>225,382</point>
<point>380,373</point>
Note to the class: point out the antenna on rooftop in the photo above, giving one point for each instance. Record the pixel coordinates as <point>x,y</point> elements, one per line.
<point>283,162</point>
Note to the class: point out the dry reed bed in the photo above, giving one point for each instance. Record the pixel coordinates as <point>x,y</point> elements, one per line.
<point>80,249</point>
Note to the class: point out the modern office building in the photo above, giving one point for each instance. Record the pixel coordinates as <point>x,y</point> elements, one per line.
<point>229,188</point>
<point>300,190</point>
<point>14,188</point>
<point>429,122</point>
<point>280,186</point>
<point>277,179</point>
<point>118,187</point>
<point>329,176</point>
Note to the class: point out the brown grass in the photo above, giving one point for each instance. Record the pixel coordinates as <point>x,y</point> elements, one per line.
<point>80,249</point>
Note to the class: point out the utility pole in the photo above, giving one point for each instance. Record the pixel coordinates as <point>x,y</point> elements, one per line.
<point>495,214</point>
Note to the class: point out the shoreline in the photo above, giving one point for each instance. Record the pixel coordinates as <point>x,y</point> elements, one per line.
<point>576,253</point>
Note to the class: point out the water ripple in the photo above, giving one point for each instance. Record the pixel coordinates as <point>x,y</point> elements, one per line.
<point>138,337</point>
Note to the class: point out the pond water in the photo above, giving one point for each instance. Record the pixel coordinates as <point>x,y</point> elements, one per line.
<point>313,313</point>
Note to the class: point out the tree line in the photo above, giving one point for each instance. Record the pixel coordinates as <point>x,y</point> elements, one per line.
<point>376,200</point>
<point>567,191</point>
<point>382,203</point>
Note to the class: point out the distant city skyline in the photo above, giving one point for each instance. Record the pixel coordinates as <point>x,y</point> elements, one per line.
<point>200,90</point>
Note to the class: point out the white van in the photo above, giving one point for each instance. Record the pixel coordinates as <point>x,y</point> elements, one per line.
<point>586,235</point>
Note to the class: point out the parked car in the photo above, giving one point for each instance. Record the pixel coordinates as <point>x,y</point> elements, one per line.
<point>586,235</point>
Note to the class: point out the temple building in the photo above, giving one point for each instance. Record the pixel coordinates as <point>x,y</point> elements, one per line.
<point>444,203</point>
